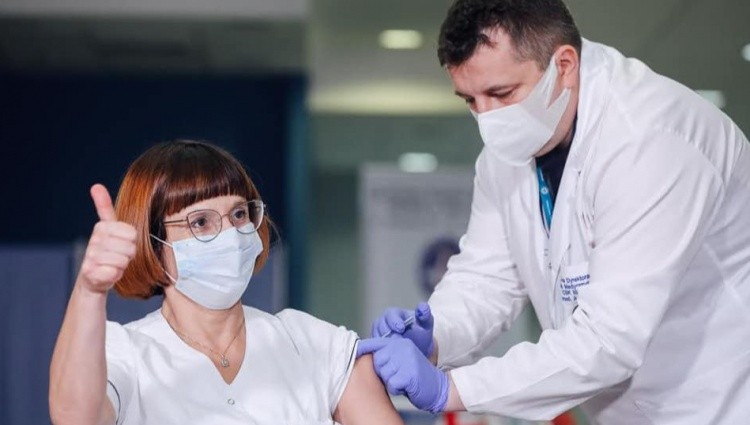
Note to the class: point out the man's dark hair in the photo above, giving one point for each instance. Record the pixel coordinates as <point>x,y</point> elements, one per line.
<point>536,28</point>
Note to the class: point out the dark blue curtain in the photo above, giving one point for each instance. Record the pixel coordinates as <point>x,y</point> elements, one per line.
<point>59,135</point>
<point>35,283</point>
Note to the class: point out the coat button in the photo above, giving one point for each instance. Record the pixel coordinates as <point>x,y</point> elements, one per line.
<point>230,401</point>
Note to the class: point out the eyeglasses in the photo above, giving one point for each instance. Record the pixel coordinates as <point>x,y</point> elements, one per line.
<point>205,225</point>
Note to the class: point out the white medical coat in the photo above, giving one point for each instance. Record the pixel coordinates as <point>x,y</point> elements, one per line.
<point>643,287</point>
<point>294,372</point>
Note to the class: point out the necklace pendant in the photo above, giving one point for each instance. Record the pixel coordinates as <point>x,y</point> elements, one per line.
<point>224,362</point>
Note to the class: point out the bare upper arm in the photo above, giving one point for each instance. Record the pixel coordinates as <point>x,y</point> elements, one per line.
<point>365,400</point>
<point>108,413</point>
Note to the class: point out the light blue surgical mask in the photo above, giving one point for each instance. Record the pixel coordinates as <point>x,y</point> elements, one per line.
<point>215,274</point>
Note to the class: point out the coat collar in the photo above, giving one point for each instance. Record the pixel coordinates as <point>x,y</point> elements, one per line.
<point>596,65</point>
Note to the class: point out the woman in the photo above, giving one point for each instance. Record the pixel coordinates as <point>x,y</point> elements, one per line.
<point>190,225</point>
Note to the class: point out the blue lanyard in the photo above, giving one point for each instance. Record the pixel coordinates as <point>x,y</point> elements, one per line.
<point>545,199</point>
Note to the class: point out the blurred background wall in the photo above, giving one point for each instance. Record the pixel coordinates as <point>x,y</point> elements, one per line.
<point>304,92</point>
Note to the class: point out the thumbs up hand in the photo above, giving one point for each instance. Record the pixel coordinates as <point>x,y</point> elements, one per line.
<point>110,248</point>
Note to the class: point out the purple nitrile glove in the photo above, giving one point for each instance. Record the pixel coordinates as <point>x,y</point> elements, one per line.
<point>420,332</point>
<point>405,370</point>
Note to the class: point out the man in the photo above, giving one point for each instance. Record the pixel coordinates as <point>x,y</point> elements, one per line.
<point>614,200</point>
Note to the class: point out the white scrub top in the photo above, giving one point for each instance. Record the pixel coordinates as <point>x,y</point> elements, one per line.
<point>294,372</point>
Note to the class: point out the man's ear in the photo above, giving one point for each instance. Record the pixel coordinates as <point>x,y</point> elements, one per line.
<point>568,63</point>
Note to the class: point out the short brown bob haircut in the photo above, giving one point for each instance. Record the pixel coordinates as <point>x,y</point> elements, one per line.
<point>162,181</point>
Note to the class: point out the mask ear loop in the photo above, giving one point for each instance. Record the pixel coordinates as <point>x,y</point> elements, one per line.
<point>174,281</point>
<point>551,76</point>
<point>161,240</point>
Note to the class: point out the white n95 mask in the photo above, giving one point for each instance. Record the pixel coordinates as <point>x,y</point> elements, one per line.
<point>516,132</point>
<point>215,274</point>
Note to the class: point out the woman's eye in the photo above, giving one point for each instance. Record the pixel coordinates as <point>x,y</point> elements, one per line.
<point>198,223</point>
<point>240,214</point>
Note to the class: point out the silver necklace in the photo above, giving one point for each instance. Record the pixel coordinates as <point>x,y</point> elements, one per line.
<point>223,359</point>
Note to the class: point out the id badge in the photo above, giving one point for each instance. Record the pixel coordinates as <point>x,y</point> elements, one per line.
<point>571,279</point>
<point>569,282</point>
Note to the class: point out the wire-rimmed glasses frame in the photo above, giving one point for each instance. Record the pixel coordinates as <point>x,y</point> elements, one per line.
<point>206,224</point>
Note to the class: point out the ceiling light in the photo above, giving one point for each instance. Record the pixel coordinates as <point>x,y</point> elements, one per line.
<point>417,162</point>
<point>714,96</point>
<point>377,97</point>
<point>746,52</point>
<point>400,39</point>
